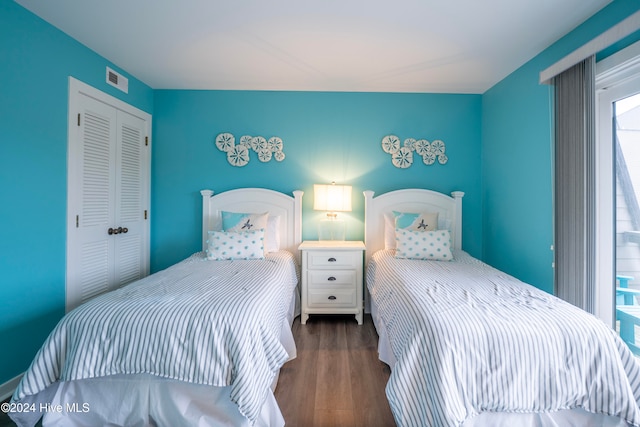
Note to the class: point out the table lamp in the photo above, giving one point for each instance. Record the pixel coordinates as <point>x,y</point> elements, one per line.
<point>332,198</point>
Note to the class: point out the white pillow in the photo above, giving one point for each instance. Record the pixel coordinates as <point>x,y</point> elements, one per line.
<point>235,245</point>
<point>389,231</point>
<point>425,221</point>
<point>444,224</point>
<point>272,234</point>
<point>429,245</point>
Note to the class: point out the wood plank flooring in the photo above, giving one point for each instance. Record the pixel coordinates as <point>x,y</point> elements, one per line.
<point>337,379</point>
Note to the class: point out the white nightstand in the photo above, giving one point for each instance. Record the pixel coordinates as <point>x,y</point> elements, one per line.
<point>331,278</point>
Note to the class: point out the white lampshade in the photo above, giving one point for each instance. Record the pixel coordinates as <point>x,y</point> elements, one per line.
<point>332,198</point>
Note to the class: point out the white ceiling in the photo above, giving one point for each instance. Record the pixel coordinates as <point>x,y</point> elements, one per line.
<point>448,46</point>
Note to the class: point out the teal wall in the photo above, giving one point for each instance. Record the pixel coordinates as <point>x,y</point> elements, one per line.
<point>517,196</point>
<point>327,137</point>
<point>498,143</point>
<point>36,61</point>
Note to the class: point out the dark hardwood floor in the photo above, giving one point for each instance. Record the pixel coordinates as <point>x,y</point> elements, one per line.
<point>336,380</point>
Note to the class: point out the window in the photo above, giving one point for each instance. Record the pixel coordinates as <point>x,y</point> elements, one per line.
<point>618,179</point>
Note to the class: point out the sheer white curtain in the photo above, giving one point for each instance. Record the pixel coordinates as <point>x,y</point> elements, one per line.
<point>574,184</point>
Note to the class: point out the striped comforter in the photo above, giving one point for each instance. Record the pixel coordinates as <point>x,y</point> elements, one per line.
<point>200,321</point>
<point>469,338</point>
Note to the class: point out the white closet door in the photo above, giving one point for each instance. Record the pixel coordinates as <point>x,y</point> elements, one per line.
<point>108,194</point>
<point>131,190</point>
<point>90,264</point>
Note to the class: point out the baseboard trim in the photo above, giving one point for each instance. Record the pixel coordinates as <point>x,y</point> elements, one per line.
<point>7,389</point>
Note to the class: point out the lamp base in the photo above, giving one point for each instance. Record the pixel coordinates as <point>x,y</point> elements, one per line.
<point>332,229</point>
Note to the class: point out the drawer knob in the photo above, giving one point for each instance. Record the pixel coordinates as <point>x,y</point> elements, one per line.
<point>331,279</point>
<point>332,259</point>
<point>332,297</point>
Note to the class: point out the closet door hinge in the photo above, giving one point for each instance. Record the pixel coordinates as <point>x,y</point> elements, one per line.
<point>145,214</point>
<point>78,119</point>
<point>77,221</point>
<point>146,141</point>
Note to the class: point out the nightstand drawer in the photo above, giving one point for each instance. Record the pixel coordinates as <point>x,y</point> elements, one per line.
<point>333,259</point>
<point>339,278</point>
<point>332,298</point>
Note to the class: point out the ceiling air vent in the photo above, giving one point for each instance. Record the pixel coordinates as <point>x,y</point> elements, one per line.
<point>117,80</point>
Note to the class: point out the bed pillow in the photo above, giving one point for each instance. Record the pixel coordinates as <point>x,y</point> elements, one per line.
<point>427,245</point>
<point>235,245</point>
<point>240,221</point>
<point>236,221</point>
<point>272,234</point>
<point>425,221</point>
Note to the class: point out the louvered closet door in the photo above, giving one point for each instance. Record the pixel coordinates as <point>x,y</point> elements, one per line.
<point>131,188</point>
<point>108,174</point>
<point>92,158</point>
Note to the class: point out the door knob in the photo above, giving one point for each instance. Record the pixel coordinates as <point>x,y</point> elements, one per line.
<point>118,230</point>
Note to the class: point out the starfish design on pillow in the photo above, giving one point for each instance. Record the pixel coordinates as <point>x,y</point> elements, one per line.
<point>247,225</point>
<point>422,225</point>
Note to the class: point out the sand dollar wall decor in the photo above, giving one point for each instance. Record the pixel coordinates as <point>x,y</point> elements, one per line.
<point>238,153</point>
<point>402,154</point>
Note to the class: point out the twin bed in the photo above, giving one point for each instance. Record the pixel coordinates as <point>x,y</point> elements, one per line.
<point>469,345</point>
<point>201,343</point>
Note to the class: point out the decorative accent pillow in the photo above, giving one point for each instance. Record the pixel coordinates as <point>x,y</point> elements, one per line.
<point>235,221</point>
<point>239,221</point>
<point>430,245</point>
<point>232,245</point>
<point>425,221</point>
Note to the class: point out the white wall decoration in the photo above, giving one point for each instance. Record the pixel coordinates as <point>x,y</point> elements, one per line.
<point>238,154</point>
<point>402,155</point>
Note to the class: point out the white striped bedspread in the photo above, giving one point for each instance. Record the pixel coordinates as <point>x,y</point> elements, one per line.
<point>469,338</point>
<point>200,321</point>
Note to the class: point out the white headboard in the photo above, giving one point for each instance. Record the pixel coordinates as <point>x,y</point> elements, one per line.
<point>255,200</point>
<point>410,200</point>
